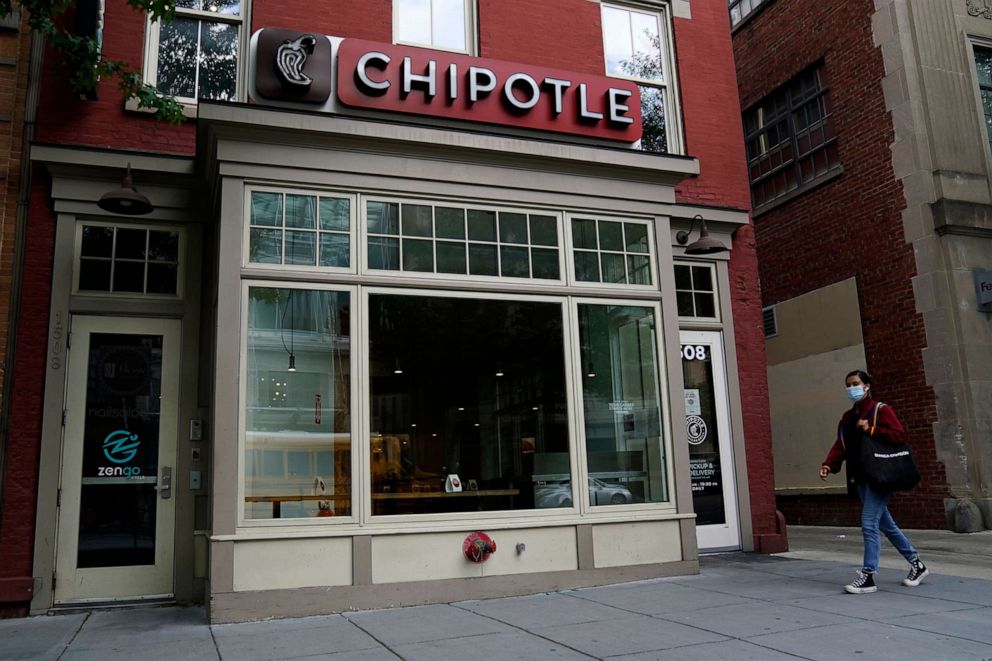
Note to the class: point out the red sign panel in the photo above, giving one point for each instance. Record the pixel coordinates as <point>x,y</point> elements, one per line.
<point>437,84</point>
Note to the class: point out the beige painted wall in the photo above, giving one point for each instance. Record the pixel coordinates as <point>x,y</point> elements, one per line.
<point>818,342</point>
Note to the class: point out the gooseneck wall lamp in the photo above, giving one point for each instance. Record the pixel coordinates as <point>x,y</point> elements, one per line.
<point>704,245</point>
<point>126,199</point>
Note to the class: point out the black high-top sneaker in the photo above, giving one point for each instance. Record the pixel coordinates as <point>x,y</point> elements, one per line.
<point>863,584</point>
<point>917,572</point>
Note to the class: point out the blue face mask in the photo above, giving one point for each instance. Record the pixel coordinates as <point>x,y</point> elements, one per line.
<point>856,393</point>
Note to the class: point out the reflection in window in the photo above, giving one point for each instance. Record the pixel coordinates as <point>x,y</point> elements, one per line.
<point>611,251</point>
<point>434,23</point>
<point>298,404</point>
<point>695,291</point>
<point>468,405</point>
<point>128,260</point>
<point>299,229</point>
<point>983,64</point>
<point>635,46</point>
<point>621,400</point>
<point>197,54</point>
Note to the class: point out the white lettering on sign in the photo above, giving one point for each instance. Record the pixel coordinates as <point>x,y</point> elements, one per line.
<point>375,60</point>
<point>693,352</point>
<point>622,406</point>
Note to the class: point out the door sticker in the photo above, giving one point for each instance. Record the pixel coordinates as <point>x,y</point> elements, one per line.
<point>692,405</point>
<point>695,429</point>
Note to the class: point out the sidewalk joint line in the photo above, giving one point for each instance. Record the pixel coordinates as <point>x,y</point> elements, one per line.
<point>65,649</point>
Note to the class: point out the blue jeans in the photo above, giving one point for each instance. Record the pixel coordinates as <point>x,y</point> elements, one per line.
<point>875,517</point>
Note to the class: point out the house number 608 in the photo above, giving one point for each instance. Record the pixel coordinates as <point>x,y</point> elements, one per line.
<point>693,352</point>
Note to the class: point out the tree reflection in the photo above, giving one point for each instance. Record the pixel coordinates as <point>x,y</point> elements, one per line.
<point>646,65</point>
<point>198,59</point>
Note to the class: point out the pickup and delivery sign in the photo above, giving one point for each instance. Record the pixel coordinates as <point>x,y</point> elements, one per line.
<point>331,74</point>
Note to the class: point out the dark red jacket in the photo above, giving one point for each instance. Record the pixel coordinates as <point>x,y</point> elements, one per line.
<point>887,429</point>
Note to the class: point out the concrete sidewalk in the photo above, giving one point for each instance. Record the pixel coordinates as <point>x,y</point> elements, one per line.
<point>740,607</point>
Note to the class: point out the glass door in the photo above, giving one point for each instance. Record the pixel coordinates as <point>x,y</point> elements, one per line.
<point>117,512</point>
<point>711,457</point>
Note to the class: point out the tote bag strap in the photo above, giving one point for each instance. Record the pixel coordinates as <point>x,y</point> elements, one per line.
<point>874,418</point>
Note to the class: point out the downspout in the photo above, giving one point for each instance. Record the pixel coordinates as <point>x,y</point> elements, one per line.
<point>20,239</point>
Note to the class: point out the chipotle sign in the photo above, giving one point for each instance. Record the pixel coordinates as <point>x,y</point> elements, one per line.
<point>352,73</point>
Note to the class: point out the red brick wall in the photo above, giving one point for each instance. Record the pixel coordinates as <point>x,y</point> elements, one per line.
<point>850,227</point>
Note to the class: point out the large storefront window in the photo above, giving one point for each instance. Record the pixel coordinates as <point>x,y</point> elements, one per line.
<point>621,400</point>
<point>298,413</point>
<point>468,405</point>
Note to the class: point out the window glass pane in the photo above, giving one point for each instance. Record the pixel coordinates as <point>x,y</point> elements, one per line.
<point>482,259</point>
<point>450,257</point>
<point>683,300</point>
<point>162,278</point>
<point>545,264</point>
<point>613,268</point>
<point>335,250</point>
<point>610,236</point>
<point>163,246</point>
<point>584,234</point>
<point>417,220</point>
<point>418,255</point>
<point>448,24</point>
<point>514,262</point>
<point>301,211</point>
<point>587,266</point>
<point>704,305</point>
<point>504,438</point>
<point>646,61</point>
<point>617,40</point>
<point>384,253</point>
<point>636,236</point>
<point>638,270</point>
<point>94,275</point>
<point>129,276</point>
<point>481,225</point>
<point>683,277</point>
<point>449,222</point>
<point>512,227</point>
<point>218,61</point>
<point>983,62</point>
<point>543,231</point>
<point>227,7</point>
<point>266,209</point>
<point>413,21</point>
<point>383,217</point>
<point>291,417</point>
<point>702,279</point>
<point>97,241</point>
<point>620,394</point>
<point>265,246</point>
<point>301,248</point>
<point>178,46</point>
<point>654,134</point>
<point>335,214</point>
<point>130,244</point>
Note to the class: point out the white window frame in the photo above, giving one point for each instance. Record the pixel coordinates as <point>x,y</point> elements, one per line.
<point>180,264</point>
<point>716,290</point>
<point>670,85</point>
<point>242,20</point>
<point>471,32</point>
<point>652,254</point>
<point>356,380</point>
<point>353,235</point>
<point>523,283</point>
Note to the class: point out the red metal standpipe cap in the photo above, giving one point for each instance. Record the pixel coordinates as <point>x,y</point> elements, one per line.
<point>478,546</point>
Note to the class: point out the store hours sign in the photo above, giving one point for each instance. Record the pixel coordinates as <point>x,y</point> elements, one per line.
<point>337,75</point>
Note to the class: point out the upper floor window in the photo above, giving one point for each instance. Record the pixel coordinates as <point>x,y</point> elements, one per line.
<point>196,54</point>
<point>637,44</point>
<point>741,9</point>
<point>790,138</point>
<point>983,63</point>
<point>442,24</point>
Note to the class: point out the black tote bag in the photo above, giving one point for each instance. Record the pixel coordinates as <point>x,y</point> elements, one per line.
<point>887,467</point>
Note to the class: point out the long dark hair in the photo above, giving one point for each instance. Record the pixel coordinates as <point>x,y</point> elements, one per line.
<point>861,374</point>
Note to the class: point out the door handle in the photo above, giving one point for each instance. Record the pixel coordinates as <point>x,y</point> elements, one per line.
<point>164,486</point>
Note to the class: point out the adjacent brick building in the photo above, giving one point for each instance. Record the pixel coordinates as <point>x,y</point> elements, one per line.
<point>244,329</point>
<point>870,192</point>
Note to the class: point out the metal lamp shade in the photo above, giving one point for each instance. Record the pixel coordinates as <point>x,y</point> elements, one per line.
<point>125,200</point>
<point>705,244</point>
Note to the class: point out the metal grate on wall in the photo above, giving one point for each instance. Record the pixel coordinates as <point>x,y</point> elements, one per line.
<point>768,320</point>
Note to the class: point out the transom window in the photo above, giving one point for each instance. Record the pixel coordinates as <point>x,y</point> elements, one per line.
<point>790,138</point>
<point>196,54</point>
<point>128,260</point>
<point>983,63</point>
<point>695,291</point>
<point>427,238</point>
<point>637,44</point>
<point>299,228</point>
<point>611,251</point>
<point>440,24</point>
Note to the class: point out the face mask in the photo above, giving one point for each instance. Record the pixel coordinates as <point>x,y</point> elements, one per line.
<point>856,393</point>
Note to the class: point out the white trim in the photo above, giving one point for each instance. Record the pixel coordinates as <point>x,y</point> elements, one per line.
<point>715,293</point>
<point>470,34</point>
<point>180,263</point>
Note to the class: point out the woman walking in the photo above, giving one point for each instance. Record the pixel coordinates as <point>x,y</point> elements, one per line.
<point>870,417</point>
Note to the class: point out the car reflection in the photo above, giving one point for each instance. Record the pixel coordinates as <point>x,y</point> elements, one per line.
<point>559,494</point>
